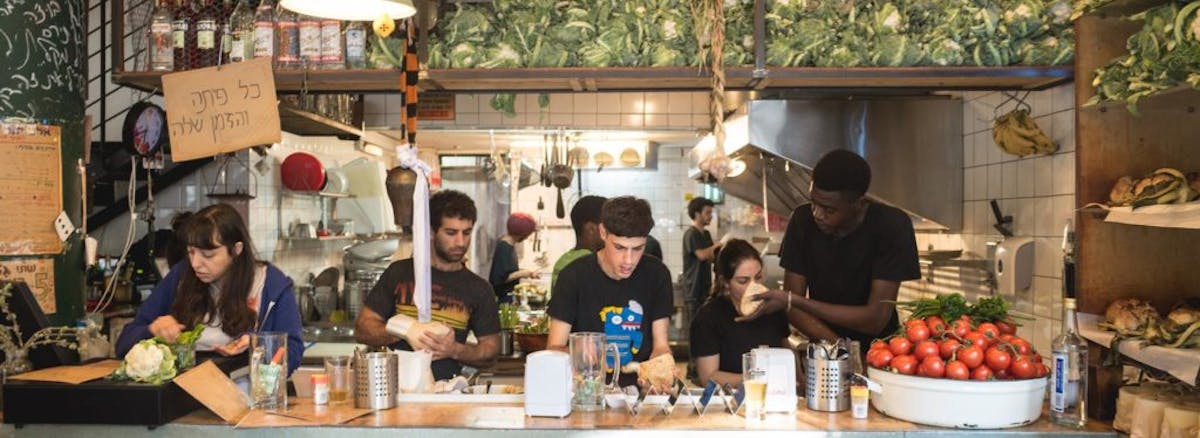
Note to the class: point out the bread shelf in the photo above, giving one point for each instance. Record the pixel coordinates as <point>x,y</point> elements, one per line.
<point>1180,216</point>
<point>1182,364</point>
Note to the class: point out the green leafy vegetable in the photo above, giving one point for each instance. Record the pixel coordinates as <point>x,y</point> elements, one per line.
<point>1163,54</point>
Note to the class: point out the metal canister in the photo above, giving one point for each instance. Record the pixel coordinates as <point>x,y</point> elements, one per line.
<point>376,380</point>
<point>828,384</point>
<point>506,343</point>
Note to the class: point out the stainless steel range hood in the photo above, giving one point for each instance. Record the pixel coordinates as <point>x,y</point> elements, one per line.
<point>914,146</point>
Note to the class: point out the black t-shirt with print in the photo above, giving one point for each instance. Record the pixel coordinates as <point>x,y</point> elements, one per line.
<point>460,299</point>
<point>715,332</point>
<point>623,310</point>
<point>840,270</point>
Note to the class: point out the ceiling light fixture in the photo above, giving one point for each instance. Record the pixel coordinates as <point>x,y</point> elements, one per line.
<point>736,168</point>
<point>352,10</point>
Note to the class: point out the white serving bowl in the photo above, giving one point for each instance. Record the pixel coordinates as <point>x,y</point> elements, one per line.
<point>963,404</point>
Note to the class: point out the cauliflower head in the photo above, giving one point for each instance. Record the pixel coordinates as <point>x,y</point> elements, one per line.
<point>149,362</point>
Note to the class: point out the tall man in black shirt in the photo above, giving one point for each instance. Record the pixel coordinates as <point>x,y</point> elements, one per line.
<point>844,256</point>
<point>616,291</point>
<point>698,253</point>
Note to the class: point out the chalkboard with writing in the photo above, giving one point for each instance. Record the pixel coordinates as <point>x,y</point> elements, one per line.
<point>43,78</point>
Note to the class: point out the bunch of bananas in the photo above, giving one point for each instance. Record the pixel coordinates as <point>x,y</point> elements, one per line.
<point>1163,186</point>
<point>1018,134</point>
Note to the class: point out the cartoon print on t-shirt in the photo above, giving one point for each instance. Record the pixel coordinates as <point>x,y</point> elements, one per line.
<point>623,327</point>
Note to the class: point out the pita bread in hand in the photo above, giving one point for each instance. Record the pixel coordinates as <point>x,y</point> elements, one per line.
<point>749,304</point>
<point>659,372</point>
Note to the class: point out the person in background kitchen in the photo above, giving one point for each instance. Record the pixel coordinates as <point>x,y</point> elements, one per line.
<point>585,220</point>
<point>461,301</point>
<point>224,287</point>
<point>844,256</point>
<point>698,251</point>
<point>717,340</point>
<point>506,272</point>
<point>616,291</point>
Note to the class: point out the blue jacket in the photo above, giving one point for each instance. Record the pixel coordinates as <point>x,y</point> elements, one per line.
<point>285,317</point>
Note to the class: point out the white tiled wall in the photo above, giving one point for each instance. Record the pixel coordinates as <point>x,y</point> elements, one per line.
<point>630,110</point>
<point>1037,191</point>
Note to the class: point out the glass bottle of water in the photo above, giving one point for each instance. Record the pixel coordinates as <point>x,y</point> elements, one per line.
<point>356,45</point>
<point>1068,372</point>
<point>162,43</point>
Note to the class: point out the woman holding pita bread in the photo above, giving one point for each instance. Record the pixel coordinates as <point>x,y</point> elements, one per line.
<point>717,341</point>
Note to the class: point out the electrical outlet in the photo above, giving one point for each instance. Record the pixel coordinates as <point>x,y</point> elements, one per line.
<point>63,226</point>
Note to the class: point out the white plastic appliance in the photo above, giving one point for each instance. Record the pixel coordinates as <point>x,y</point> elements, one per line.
<point>548,384</point>
<point>781,378</point>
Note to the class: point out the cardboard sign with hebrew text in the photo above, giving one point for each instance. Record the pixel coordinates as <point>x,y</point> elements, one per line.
<point>221,109</point>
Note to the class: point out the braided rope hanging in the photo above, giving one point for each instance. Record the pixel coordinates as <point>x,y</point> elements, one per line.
<point>709,19</point>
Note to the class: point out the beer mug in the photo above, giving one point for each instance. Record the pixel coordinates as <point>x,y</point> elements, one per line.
<point>588,354</point>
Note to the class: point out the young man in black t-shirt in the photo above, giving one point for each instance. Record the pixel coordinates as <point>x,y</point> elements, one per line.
<point>616,291</point>
<point>460,300</point>
<point>698,253</point>
<point>844,256</point>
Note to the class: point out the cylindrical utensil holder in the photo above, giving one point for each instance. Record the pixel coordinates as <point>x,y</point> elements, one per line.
<point>376,380</point>
<point>828,384</point>
<point>506,343</point>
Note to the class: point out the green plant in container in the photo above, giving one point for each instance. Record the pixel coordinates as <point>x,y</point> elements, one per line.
<point>508,317</point>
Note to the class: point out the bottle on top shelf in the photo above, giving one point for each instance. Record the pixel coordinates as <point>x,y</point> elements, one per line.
<point>183,35</point>
<point>208,44</point>
<point>161,42</point>
<point>356,45</point>
<point>332,47</point>
<point>264,30</point>
<point>226,29</point>
<point>287,36</point>
<point>241,29</point>
<point>310,41</point>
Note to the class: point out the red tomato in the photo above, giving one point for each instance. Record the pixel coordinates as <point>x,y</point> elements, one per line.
<point>990,330</point>
<point>1041,370</point>
<point>957,370</point>
<point>917,332</point>
<point>932,366</point>
<point>981,373</point>
<point>1036,358</point>
<point>905,364</point>
<point>997,359</point>
<point>1023,368</point>
<point>1006,328</point>
<point>966,318</point>
<point>961,328</point>
<point>925,349</point>
<point>879,343</point>
<point>880,357</point>
<point>900,345</point>
<point>1006,338</point>
<point>972,356</point>
<point>936,324</point>
<point>1001,375</point>
<point>1022,346</point>
<point>947,348</point>
<point>977,338</point>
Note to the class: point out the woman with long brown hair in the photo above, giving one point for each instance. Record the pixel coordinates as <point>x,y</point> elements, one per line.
<point>717,340</point>
<point>222,286</point>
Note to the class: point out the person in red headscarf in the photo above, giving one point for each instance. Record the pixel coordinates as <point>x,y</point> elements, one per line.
<point>505,271</point>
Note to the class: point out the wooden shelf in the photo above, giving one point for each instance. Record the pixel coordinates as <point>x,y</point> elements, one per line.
<point>741,78</point>
<point>1179,363</point>
<point>292,81</point>
<point>301,122</point>
<point>578,79</point>
<point>318,194</point>
<point>320,239</point>
<point>1179,98</point>
<point>1123,8</point>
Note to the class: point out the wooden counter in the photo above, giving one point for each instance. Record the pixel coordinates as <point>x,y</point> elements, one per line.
<point>446,420</point>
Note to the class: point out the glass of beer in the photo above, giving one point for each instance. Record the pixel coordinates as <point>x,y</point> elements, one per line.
<point>338,370</point>
<point>754,382</point>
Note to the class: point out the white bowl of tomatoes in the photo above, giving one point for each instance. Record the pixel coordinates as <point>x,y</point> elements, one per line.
<point>960,374</point>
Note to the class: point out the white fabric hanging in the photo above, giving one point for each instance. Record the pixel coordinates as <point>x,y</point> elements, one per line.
<point>420,225</point>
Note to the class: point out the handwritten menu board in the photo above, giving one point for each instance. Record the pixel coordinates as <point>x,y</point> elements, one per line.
<point>30,188</point>
<point>221,109</point>
<point>38,274</point>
